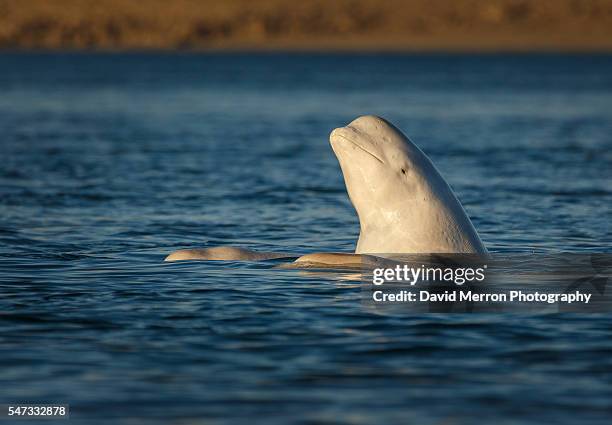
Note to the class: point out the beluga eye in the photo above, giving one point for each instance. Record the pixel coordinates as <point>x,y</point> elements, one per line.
<point>403,171</point>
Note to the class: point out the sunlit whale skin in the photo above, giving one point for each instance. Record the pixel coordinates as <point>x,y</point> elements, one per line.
<point>403,203</point>
<point>224,253</point>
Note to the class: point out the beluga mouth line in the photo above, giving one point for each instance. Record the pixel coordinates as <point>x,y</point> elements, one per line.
<point>360,147</point>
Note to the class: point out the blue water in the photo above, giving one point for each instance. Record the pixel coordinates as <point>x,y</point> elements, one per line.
<point>110,162</point>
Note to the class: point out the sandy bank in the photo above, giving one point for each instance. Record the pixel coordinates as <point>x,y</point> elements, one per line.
<point>307,24</point>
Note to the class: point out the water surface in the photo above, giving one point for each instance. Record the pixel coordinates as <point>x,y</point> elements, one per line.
<point>110,162</point>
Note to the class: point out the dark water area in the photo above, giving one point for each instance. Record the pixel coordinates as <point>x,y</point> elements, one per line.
<point>111,161</point>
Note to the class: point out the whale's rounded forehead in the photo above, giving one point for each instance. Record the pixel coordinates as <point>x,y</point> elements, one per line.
<point>370,137</point>
<point>374,134</point>
<point>377,128</point>
<point>371,123</point>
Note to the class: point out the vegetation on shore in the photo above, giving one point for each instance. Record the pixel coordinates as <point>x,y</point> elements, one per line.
<point>307,24</point>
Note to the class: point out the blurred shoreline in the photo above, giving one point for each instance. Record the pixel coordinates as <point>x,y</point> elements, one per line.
<point>309,25</point>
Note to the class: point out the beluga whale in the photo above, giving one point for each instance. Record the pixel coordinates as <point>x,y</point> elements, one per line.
<point>403,203</point>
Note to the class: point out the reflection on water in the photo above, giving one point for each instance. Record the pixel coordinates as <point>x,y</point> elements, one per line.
<point>109,162</point>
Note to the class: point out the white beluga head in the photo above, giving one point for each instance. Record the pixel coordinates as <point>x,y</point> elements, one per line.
<point>403,203</point>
